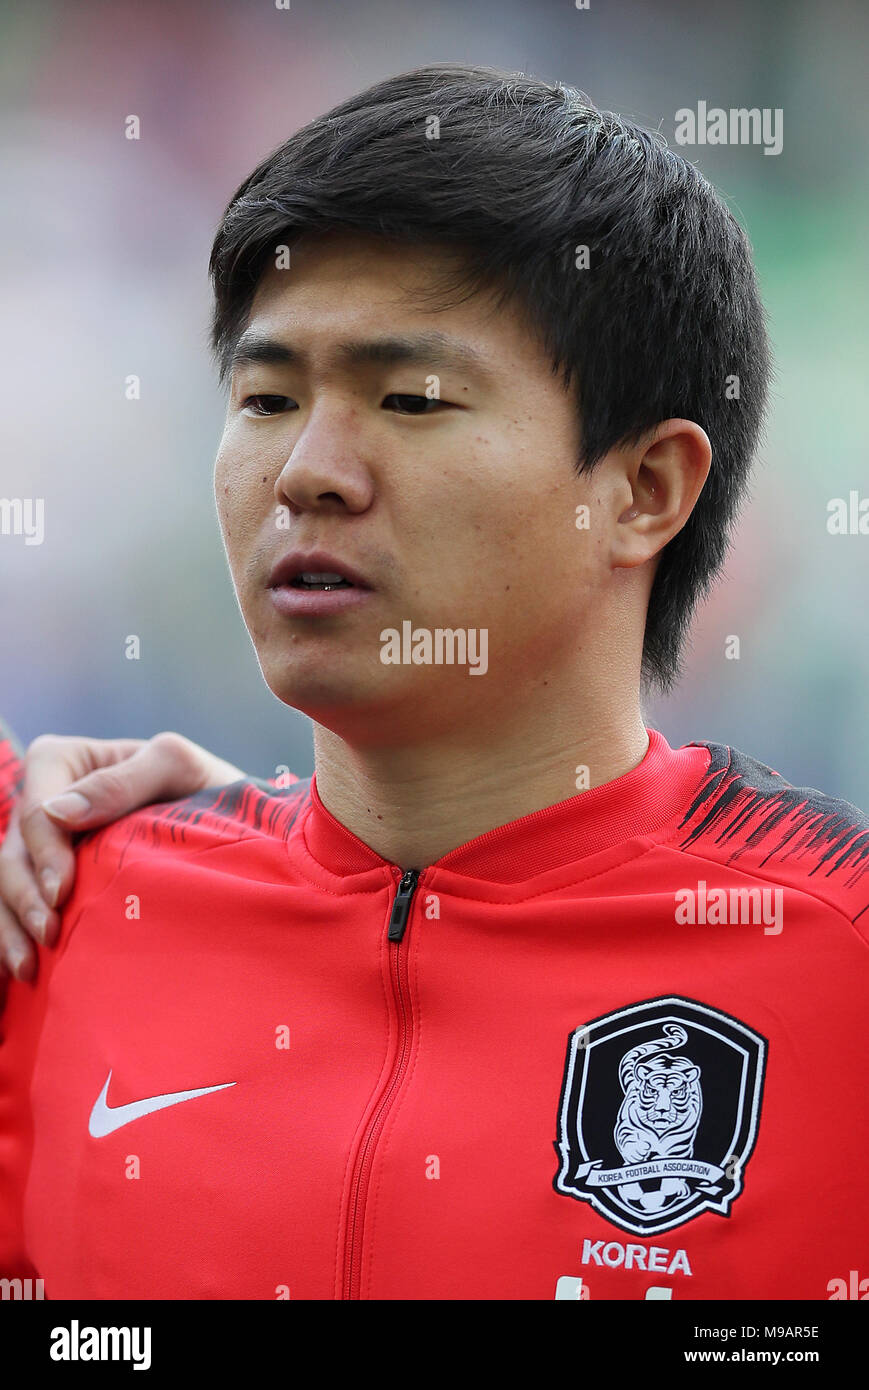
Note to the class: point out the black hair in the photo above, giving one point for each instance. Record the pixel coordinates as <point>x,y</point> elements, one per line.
<point>516,173</point>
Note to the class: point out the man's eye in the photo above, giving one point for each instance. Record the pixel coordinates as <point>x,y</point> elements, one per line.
<point>412,405</point>
<point>267,405</point>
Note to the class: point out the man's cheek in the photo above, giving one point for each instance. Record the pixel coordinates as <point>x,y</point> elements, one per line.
<point>239,514</point>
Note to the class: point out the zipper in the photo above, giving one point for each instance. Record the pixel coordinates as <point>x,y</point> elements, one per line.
<point>402,903</point>
<point>398,921</point>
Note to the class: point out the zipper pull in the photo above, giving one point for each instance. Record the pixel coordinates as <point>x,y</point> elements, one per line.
<point>401,905</point>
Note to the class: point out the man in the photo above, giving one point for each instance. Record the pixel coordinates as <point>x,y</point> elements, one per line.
<point>512,1000</point>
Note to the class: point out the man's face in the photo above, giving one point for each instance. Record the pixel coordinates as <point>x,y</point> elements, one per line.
<point>441,473</point>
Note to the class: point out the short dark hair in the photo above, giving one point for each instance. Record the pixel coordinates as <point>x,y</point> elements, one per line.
<point>666,321</point>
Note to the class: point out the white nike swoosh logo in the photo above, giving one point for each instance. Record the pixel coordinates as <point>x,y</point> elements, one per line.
<point>106,1119</point>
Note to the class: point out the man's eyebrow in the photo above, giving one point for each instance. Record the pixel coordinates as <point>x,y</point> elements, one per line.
<point>253,348</point>
<point>425,350</point>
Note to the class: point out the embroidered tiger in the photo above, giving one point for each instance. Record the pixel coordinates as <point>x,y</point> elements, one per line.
<point>659,1115</point>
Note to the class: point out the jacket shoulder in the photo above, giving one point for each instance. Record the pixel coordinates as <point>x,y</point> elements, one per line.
<point>747,815</point>
<point>247,809</point>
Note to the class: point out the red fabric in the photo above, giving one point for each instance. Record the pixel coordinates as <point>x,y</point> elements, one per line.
<point>405,1145</point>
<point>10,771</point>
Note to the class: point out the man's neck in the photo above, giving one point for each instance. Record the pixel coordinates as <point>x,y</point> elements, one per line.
<point>414,803</point>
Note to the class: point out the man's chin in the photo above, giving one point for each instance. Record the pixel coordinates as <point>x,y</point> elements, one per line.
<point>327,690</point>
<point>366,708</point>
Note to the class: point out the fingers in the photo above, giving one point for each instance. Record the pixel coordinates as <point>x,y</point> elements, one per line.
<point>23,910</point>
<point>52,764</point>
<point>46,859</point>
<point>163,768</point>
<point>37,864</point>
<point>16,950</point>
<point>72,785</point>
<point>189,767</point>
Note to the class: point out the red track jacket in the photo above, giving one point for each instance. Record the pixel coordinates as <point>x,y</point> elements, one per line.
<point>612,1050</point>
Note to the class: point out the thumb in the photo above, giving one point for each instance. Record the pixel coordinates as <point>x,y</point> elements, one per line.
<point>167,766</point>
<point>110,792</point>
<point>97,799</point>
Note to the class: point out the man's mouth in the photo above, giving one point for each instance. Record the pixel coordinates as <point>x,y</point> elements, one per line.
<point>316,571</point>
<point>320,581</point>
<point>317,584</point>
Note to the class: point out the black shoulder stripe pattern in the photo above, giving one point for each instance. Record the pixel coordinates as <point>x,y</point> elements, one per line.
<point>746,806</point>
<point>250,803</point>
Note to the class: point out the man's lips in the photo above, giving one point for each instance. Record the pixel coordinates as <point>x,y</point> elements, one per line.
<point>293,598</point>
<point>289,570</point>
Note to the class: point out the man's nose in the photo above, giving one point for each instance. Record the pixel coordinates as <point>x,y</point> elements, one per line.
<point>329,466</point>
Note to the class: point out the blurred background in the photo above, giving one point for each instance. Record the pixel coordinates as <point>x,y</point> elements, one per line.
<point>105,246</point>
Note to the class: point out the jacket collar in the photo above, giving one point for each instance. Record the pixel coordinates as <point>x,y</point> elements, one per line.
<point>637,804</point>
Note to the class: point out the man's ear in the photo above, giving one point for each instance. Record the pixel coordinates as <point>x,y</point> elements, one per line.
<point>664,476</point>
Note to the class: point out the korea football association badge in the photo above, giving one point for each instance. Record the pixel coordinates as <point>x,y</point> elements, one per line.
<point>659,1113</point>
